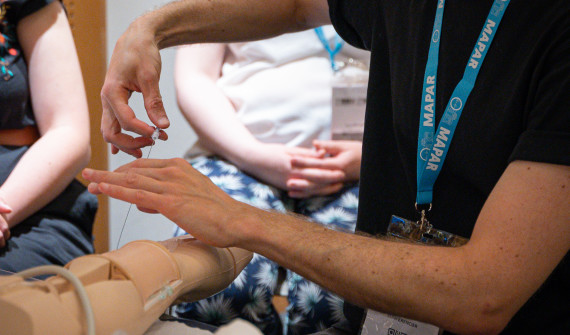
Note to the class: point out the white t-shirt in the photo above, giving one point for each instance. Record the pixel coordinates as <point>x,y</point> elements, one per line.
<point>281,87</point>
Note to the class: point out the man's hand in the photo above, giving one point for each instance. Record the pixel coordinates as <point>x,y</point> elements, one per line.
<point>326,174</point>
<point>4,228</point>
<point>179,192</point>
<point>134,67</point>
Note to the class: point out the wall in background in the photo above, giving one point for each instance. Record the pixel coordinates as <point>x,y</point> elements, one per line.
<point>87,21</point>
<point>141,225</point>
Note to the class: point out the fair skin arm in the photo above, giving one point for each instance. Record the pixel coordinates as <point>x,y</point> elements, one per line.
<point>60,109</point>
<point>135,65</point>
<point>4,229</point>
<point>212,115</point>
<point>520,236</point>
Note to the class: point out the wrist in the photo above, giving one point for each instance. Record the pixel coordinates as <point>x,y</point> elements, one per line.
<point>246,155</point>
<point>164,26</point>
<point>255,225</point>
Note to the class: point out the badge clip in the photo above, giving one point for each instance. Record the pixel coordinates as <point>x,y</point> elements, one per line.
<point>422,232</point>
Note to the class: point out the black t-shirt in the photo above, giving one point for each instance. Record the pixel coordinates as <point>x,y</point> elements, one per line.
<point>15,105</point>
<point>518,110</point>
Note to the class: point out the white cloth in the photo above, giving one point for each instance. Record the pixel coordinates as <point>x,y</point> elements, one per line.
<point>236,327</point>
<point>281,87</point>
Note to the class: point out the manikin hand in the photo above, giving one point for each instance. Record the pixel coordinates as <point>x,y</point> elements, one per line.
<point>134,67</point>
<point>271,162</point>
<point>4,228</point>
<point>325,175</point>
<point>179,192</point>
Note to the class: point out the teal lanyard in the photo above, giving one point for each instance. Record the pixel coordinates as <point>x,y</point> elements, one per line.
<point>338,43</point>
<point>433,145</point>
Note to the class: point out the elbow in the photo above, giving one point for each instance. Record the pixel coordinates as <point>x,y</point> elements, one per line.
<point>486,317</point>
<point>484,326</point>
<point>309,14</point>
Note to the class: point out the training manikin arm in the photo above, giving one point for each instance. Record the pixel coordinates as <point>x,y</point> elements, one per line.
<point>128,288</point>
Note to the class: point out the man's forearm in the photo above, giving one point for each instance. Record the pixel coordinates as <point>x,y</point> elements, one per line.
<point>380,275</point>
<point>437,285</point>
<point>195,21</point>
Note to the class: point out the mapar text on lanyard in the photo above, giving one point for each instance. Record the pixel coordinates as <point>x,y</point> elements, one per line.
<point>433,144</point>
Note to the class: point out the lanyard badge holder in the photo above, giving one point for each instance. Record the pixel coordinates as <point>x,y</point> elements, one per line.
<point>349,89</point>
<point>433,145</point>
<point>422,232</point>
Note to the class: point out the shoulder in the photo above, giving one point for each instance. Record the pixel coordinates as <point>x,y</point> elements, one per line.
<point>354,20</point>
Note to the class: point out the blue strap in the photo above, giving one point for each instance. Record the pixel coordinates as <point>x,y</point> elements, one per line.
<point>433,144</point>
<point>332,52</point>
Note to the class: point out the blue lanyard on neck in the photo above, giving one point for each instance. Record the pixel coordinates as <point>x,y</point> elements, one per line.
<point>332,52</point>
<point>433,144</point>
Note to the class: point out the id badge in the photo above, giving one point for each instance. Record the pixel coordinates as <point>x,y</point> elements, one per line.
<point>348,108</point>
<point>404,229</point>
<point>377,323</point>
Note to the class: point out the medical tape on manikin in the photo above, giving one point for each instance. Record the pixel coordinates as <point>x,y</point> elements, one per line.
<point>433,144</point>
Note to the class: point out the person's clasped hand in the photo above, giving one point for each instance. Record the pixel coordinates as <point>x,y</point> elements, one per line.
<point>4,228</point>
<point>271,162</point>
<point>326,174</point>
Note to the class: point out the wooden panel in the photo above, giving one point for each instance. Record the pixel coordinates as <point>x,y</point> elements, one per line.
<point>88,23</point>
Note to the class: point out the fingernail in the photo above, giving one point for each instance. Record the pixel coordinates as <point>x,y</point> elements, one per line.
<point>5,207</point>
<point>87,172</point>
<point>163,121</point>
<point>92,188</point>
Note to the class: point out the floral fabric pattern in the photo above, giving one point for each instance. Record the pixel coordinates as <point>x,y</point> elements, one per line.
<point>311,308</point>
<point>8,50</point>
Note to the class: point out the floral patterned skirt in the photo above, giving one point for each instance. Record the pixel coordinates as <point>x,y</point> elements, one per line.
<point>311,308</point>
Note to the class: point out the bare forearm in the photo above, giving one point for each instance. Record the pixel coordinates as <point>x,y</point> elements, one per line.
<point>44,172</point>
<point>213,118</point>
<point>195,21</point>
<point>465,290</point>
<point>383,275</point>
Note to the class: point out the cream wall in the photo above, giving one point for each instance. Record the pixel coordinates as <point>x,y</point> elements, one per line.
<point>141,225</point>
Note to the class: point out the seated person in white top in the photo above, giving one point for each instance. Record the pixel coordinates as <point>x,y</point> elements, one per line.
<point>262,112</point>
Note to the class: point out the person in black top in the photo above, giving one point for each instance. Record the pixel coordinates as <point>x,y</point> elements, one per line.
<point>46,215</point>
<point>500,143</point>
